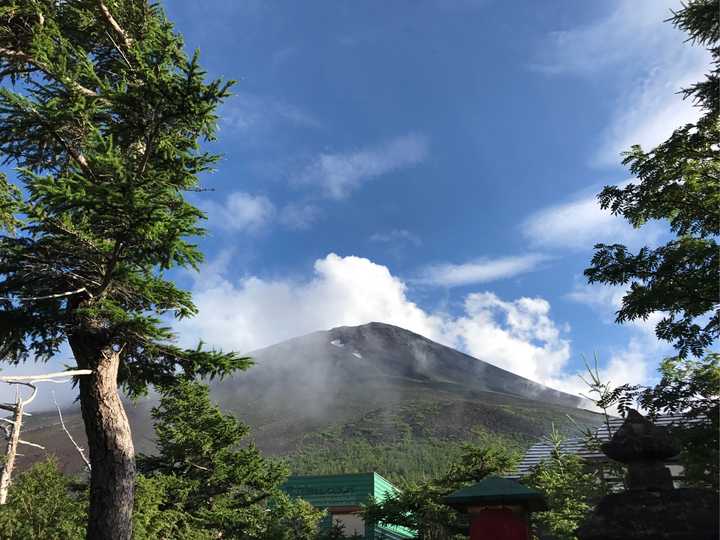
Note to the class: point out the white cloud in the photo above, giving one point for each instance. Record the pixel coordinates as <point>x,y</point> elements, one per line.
<point>480,270</point>
<point>299,215</point>
<point>627,365</point>
<point>633,363</point>
<point>648,115</point>
<point>518,336</point>
<point>241,212</point>
<point>648,61</point>
<point>630,30</point>
<point>606,300</point>
<point>246,112</point>
<point>254,312</point>
<point>339,174</point>
<point>396,236</point>
<point>581,223</point>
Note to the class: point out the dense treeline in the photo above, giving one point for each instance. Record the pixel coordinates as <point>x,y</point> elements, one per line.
<point>404,462</point>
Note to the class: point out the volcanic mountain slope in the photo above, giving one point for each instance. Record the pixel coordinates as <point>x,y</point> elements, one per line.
<point>374,382</point>
<point>373,379</point>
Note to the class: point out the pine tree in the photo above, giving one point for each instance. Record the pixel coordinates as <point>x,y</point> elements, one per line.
<point>101,113</point>
<point>212,485</point>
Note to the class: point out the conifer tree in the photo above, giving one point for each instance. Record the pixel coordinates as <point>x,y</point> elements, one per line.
<point>213,485</point>
<point>101,114</point>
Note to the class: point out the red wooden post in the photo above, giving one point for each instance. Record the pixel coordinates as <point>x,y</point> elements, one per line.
<point>498,508</point>
<point>499,524</point>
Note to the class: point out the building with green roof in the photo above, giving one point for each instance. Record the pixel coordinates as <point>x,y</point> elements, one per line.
<point>343,495</point>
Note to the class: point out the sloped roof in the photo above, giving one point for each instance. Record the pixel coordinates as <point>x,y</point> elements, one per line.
<point>497,490</point>
<point>542,451</point>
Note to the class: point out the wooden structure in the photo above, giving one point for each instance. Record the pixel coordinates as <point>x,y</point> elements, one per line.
<point>498,508</point>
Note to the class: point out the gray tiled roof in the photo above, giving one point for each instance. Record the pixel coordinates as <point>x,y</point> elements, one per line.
<point>577,445</point>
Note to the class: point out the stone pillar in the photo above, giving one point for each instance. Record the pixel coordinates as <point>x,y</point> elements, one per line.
<point>650,508</point>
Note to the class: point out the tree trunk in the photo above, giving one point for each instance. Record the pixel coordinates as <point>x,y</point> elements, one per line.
<point>11,450</point>
<point>112,456</point>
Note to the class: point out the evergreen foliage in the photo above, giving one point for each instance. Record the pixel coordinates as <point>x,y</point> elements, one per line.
<point>105,138</point>
<point>102,114</point>
<point>571,488</point>
<point>419,506</point>
<point>42,506</point>
<point>404,462</point>
<point>204,483</point>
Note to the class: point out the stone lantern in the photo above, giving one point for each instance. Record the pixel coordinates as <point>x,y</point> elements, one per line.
<point>650,508</point>
<point>498,508</point>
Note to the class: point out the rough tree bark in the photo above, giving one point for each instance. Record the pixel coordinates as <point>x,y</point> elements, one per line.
<point>112,456</point>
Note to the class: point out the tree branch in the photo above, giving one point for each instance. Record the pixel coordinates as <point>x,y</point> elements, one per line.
<point>72,440</point>
<point>46,376</point>
<point>127,40</point>
<point>48,296</point>
<point>26,58</point>
<point>20,441</point>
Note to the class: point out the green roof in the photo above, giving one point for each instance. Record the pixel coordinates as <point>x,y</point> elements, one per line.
<point>334,491</point>
<point>496,490</point>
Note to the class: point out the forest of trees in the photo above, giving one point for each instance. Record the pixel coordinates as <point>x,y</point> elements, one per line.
<point>104,117</point>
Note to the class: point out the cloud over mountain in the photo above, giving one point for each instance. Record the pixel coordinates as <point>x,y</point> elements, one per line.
<point>253,312</point>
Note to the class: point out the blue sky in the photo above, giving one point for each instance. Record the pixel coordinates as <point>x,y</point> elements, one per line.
<point>432,164</point>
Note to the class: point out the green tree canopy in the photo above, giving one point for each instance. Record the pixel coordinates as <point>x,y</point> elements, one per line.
<point>101,113</point>
<point>43,506</point>
<point>420,506</point>
<point>570,487</point>
<point>210,483</point>
<point>678,182</point>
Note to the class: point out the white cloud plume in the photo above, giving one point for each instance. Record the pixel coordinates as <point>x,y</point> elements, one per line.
<point>648,115</point>
<point>518,335</point>
<point>339,174</point>
<point>649,61</point>
<point>240,212</point>
<point>255,312</point>
<point>480,270</point>
<point>581,223</point>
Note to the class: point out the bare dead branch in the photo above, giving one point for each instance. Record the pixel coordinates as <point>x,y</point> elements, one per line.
<point>46,377</point>
<point>10,407</point>
<point>126,39</point>
<point>13,433</point>
<point>27,59</point>
<point>48,296</point>
<point>72,440</point>
<point>198,466</point>
<point>11,449</point>
<point>20,441</point>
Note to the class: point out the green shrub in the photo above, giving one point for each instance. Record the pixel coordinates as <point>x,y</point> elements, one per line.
<point>42,506</point>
